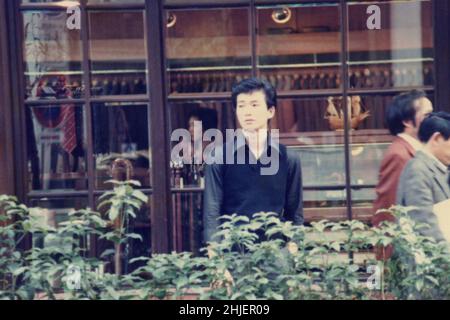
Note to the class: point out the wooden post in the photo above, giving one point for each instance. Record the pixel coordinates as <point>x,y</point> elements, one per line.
<point>7,185</point>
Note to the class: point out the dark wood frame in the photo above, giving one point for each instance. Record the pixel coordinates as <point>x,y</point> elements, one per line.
<point>7,185</point>
<point>12,105</point>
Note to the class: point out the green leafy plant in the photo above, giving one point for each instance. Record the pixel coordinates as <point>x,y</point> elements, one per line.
<point>257,258</point>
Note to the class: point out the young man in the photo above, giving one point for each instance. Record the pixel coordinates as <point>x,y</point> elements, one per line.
<point>424,181</point>
<point>241,188</point>
<point>403,117</point>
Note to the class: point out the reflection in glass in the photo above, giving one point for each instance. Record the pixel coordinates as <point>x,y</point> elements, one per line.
<point>323,176</point>
<point>298,46</point>
<point>318,114</point>
<point>208,50</point>
<point>57,209</point>
<point>187,227</point>
<point>116,1</point>
<point>52,56</point>
<point>212,115</point>
<point>118,52</point>
<point>56,147</point>
<point>399,54</point>
<point>322,165</point>
<point>121,131</point>
<point>377,105</point>
<point>53,212</point>
<point>133,248</point>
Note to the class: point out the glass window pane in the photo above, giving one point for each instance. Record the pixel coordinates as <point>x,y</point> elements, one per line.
<point>298,46</point>
<point>116,1</point>
<point>54,212</point>
<point>56,2</point>
<point>52,56</point>
<point>207,50</point>
<point>400,53</point>
<point>367,147</point>
<point>189,2</point>
<point>134,248</point>
<point>59,208</point>
<point>322,158</point>
<point>323,114</point>
<point>56,147</point>
<point>118,52</point>
<point>213,115</point>
<point>320,149</point>
<point>121,131</point>
<point>187,227</point>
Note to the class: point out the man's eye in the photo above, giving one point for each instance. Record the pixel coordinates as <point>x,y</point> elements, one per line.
<point>240,106</point>
<point>254,105</point>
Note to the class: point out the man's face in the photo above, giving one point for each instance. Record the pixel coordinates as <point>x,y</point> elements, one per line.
<point>423,107</point>
<point>192,119</point>
<point>252,111</point>
<point>442,150</point>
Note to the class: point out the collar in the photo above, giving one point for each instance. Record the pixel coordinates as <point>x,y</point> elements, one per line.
<point>442,167</point>
<point>240,141</point>
<point>416,144</point>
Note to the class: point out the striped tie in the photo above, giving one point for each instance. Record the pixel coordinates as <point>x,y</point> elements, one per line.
<point>68,128</point>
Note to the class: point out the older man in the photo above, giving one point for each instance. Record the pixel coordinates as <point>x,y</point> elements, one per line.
<point>424,181</point>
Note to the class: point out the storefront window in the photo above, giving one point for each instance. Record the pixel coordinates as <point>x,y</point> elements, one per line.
<point>118,53</point>
<point>120,131</point>
<point>209,46</point>
<point>207,50</point>
<point>56,147</point>
<point>399,53</point>
<point>290,54</point>
<point>52,56</point>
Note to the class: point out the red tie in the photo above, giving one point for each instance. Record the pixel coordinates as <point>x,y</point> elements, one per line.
<point>68,128</point>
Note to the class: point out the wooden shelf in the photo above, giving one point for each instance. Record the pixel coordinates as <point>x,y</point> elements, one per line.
<point>237,46</point>
<point>319,138</point>
<point>363,214</point>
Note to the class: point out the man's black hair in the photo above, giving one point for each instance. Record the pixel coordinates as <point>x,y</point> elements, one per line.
<point>208,117</point>
<point>255,84</point>
<point>435,122</point>
<point>402,109</point>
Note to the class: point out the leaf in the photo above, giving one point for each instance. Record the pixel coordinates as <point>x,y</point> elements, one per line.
<point>107,252</point>
<point>140,195</point>
<point>277,296</point>
<point>419,284</point>
<point>19,271</point>
<point>113,293</point>
<point>134,236</point>
<point>336,246</point>
<point>433,280</point>
<point>106,195</point>
<point>134,183</point>
<point>130,212</point>
<point>139,259</point>
<point>113,212</point>
<point>103,204</point>
<point>113,181</point>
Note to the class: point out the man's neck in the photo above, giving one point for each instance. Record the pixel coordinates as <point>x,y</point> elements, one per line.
<point>256,140</point>
<point>412,140</point>
<point>427,150</point>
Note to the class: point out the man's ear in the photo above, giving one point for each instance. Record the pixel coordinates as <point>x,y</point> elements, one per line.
<point>272,112</point>
<point>436,137</point>
<point>408,124</point>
